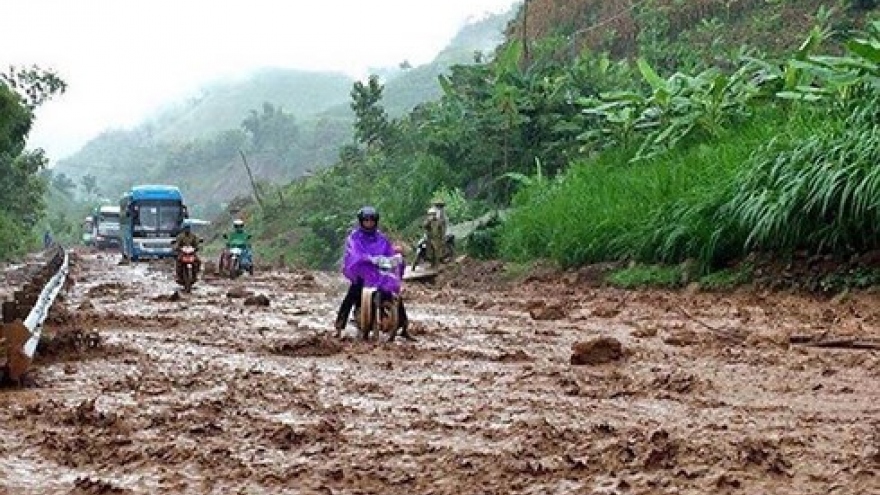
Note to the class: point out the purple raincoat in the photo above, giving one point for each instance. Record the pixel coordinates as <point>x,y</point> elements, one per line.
<point>357,265</point>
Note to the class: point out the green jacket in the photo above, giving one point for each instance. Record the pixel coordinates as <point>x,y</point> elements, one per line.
<point>238,238</point>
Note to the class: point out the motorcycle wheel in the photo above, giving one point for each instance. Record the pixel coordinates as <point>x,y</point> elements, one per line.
<point>234,270</point>
<point>367,315</point>
<point>188,279</point>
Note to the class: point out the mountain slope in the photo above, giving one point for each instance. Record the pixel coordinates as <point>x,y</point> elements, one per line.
<point>195,143</point>
<point>224,105</point>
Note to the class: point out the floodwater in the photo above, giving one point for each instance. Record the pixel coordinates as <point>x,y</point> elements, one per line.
<point>142,391</point>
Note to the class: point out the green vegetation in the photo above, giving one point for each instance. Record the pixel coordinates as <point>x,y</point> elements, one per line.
<point>646,276</point>
<point>768,155</point>
<point>679,158</point>
<point>797,172</point>
<point>727,278</point>
<point>22,189</point>
<point>664,209</point>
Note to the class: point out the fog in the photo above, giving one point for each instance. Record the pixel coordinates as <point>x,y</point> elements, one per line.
<point>123,59</point>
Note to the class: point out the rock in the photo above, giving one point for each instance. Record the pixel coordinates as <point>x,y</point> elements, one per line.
<point>258,300</point>
<point>682,338</point>
<point>238,293</point>
<point>596,351</point>
<point>541,311</point>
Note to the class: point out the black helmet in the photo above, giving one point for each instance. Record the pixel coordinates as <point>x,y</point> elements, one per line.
<point>365,213</point>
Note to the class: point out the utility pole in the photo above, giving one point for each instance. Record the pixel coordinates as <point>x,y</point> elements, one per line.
<point>251,176</point>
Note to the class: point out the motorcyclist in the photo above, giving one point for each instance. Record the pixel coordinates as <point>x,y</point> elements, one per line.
<point>364,245</point>
<point>185,238</point>
<point>241,239</point>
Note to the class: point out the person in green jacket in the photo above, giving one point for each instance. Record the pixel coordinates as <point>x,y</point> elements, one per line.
<point>241,239</point>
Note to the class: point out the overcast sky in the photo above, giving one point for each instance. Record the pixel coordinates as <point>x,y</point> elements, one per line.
<point>122,59</point>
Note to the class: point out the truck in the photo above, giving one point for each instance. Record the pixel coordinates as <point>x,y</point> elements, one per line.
<point>151,217</point>
<point>105,226</point>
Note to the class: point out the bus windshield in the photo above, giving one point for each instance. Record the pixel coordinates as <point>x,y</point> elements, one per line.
<point>158,216</point>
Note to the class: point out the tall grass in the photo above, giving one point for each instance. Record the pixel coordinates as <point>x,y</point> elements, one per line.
<point>820,195</point>
<point>665,209</point>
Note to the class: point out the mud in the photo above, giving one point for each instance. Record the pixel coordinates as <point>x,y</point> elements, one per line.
<point>687,392</point>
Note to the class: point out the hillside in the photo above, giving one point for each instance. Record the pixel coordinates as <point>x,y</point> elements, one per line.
<point>223,105</point>
<point>669,31</point>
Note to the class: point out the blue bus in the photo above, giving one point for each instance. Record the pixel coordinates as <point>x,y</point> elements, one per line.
<point>151,216</point>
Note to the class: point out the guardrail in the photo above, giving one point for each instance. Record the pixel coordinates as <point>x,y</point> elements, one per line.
<point>23,317</point>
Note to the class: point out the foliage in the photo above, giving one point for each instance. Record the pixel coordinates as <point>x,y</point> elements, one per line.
<point>656,159</point>
<point>271,130</point>
<point>34,85</point>
<point>727,278</point>
<point>645,276</point>
<point>820,193</point>
<point>662,209</point>
<point>371,122</point>
<point>21,186</point>
<point>89,184</point>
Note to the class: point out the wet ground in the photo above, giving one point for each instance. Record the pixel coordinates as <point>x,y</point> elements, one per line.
<point>142,391</point>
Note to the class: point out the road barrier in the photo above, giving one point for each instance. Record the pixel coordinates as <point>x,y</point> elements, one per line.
<point>23,317</point>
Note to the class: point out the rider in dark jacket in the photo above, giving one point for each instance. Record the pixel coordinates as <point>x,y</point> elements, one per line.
<point>186,238</point>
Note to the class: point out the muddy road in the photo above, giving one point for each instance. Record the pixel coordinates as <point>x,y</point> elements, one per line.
<point>140,392</point>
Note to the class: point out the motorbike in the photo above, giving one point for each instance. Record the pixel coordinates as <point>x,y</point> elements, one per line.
<point>422,250</point>
<point>237,262</point>
<point>380,300</point>
<point>188,267</point>
<point>236,259</point>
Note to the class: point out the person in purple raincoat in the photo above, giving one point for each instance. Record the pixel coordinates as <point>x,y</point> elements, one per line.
<point>365,249</point>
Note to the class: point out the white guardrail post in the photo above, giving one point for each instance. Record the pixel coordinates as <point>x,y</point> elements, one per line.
<point>27,334</point>
<point>35,319</point>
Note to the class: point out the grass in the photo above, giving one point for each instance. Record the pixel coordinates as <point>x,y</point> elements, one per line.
<point>727,278</point>
<point>639,276</point>
<point>665,210</point>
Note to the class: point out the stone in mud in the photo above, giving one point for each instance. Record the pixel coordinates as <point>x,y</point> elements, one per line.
<point>310,346</point>
<point>541,311</point>
<point>238,293</point>
<point>596,351</point>
<point>173,297</point>
<point>258,300</point>
<point>682,338</point>
<point>607,311</point>
<point>769,338</point>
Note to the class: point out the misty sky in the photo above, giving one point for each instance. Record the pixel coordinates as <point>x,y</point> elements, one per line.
<point>122,59</point>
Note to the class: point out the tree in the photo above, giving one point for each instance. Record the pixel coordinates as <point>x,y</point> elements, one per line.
<point>372,127</point>
<point>89,184</point>
<point>63,183</point>
<point>271,130</point>
<point>21,187</point>
<point>33,84</point>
